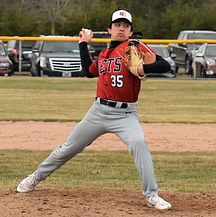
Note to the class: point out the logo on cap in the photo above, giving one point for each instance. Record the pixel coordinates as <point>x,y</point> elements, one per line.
<point>122,13</point>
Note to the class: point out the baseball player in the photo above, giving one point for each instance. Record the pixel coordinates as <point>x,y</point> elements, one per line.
<point>120,70</point>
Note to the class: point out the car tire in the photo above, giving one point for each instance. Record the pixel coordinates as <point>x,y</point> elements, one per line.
<point>188,67</point>
<point>40,73</point>
<point>176,69</point>
<point>33,73</point>
<point>202,72</point>
<point>11,72</point>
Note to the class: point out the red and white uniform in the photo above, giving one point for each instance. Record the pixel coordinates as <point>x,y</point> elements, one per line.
<point>115,82</point>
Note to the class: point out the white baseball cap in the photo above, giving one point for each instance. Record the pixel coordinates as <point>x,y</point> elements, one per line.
<point>121,14</point>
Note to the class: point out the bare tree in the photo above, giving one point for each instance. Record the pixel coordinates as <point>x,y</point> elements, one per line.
<point>48,10</point>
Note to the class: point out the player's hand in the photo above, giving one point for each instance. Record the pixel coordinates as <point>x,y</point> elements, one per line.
<point>85,35</point>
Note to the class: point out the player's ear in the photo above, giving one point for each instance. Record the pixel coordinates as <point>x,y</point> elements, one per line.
<point>131,33</point>
<point>109,30</point>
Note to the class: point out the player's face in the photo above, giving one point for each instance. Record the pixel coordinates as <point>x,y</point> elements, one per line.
<point>120,31</point>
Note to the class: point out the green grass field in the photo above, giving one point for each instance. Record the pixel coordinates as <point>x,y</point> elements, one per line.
<point>161,101</point>
<point>59,99</point>
<point>180,172</point>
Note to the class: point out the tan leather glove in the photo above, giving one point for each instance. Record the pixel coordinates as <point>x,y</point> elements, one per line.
<point>133,58</point>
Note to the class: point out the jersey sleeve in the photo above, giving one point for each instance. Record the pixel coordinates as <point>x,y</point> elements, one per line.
<point>145,48</point>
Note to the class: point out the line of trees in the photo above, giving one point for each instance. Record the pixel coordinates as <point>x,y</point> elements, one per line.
<point>153,18</point>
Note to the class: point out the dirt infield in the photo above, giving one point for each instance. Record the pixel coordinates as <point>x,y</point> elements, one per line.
<point>98,203</point>
<point>106,203</point>
<point>160,137</point>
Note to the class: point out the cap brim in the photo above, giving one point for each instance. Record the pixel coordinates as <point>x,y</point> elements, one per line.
<point>119,20</point>
<point>122,19</point>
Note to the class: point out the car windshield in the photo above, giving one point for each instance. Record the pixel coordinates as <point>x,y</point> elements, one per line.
<point>211,51</point>
<point>59,46</point>
<point>2,50</point>
<point>202,36</point>
<point>162,51</point>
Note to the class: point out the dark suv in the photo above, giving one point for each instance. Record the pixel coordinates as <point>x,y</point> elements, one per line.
<point>56,58</point>
<point>26,50</point>
<point>6,67</point>
<point>184,51</point>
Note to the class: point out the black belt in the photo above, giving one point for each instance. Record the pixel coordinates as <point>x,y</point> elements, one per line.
<point>111,103</point>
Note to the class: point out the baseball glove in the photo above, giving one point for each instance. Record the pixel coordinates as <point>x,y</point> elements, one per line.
<point>133,58</point>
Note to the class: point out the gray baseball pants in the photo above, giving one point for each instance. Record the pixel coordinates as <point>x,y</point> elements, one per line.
<point>101,119</point>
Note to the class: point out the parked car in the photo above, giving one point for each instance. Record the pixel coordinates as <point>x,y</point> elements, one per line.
<point>163,52</point>
<point>204,62</point>
<point>26,50</point>
<point>6,66</point>
<point>56,58</point>
<point>185,51</point>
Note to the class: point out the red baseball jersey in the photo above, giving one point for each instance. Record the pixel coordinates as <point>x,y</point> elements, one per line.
<point>115,82</point>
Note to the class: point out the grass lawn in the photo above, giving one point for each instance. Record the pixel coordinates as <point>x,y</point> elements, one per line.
<point>68,99</point>
<point>181,172</point>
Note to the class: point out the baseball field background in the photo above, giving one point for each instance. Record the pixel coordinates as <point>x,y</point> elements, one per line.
<point>188,179</point>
